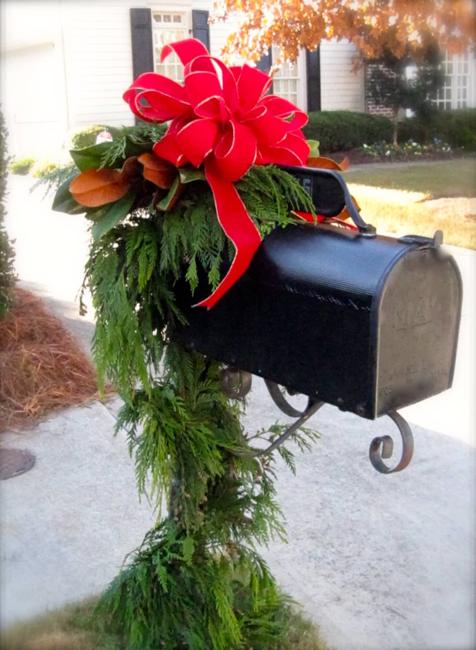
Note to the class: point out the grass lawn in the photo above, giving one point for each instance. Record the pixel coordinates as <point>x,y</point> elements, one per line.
<point>443,178</point>
<point>419,198</point>
<point>74,628</point>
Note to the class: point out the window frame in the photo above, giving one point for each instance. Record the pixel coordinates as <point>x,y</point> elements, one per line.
<point>172,67</point>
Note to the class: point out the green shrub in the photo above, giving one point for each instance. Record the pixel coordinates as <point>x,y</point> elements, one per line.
<point>344,130</point>
<point>7,275</point>
<point>457,128</point>
<point>86,137</point>
<point>43,168</point>
<point>21,166</point>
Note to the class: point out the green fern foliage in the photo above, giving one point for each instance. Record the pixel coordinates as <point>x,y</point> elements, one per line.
<point>196,582</point>
<point>7,274</point>
<point>179,593</point>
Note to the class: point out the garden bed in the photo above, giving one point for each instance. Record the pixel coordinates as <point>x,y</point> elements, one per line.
<point>42,367</point>
<point>360,157</point>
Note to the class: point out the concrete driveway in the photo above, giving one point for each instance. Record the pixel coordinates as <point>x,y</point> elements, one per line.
<point>379,562</point>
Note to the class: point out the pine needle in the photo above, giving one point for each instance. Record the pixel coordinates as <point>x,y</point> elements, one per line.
<point>41,366</point>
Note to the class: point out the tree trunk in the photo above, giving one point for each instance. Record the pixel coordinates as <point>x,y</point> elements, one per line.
<point>395,128</point>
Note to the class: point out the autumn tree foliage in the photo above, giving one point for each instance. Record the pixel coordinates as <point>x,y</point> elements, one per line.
<point>400,27</point>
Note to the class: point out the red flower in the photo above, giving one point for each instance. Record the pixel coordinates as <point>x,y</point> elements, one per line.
<point>221,117</point>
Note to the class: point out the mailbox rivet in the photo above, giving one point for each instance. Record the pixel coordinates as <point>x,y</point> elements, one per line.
<point>360,409</point>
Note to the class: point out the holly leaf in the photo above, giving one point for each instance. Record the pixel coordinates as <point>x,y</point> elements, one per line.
<point>90,157</point>
<point>64,201</point>
<point>110,215</point>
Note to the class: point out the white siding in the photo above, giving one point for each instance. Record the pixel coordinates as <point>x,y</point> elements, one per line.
<point>32,78</point>
<point>33,102</point>
<point>98,60</point>
<point>341,87</point>
<point>76,58</point>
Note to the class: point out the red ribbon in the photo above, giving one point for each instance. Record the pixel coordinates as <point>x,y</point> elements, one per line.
<point>221,118</point>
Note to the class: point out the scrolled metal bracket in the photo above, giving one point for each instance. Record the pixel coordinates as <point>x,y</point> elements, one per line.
<point>382,447</point>
<point>281,402</point>
<point>311,409</point>
<point>236,384</point>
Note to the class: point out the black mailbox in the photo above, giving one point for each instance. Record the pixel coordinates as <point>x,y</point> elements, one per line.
<point>364,322</point>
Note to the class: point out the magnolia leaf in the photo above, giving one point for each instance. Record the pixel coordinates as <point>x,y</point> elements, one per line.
<point>354,201</point>
<point>130,168</point>
<point>96,187</point>
<point>111,215</point>
<point>64,201</point>
<point>136,148</point>
<point>158,171</point>
<point>90,157</point>
<point>314,148</point>
<point>344,213</point>
<point>327,163</point>
<point>172,195</point>
<point>191,175</point>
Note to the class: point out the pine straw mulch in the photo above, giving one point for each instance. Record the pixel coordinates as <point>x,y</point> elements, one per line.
<point>41,366</point>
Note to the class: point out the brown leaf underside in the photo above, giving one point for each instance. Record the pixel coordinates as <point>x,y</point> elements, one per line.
<point>96,187</point>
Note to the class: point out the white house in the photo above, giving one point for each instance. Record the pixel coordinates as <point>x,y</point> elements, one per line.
<point>66,64</point>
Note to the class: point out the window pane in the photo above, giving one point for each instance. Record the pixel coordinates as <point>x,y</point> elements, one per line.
<point>168,28</point>
<point>285,79</point>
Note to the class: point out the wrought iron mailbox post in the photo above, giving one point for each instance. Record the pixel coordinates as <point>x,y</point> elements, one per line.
<point>350,318</point>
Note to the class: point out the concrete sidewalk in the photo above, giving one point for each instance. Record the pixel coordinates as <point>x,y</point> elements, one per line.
<point>378,561</point>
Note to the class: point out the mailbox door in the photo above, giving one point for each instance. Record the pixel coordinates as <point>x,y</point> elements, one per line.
<point>418,321</point>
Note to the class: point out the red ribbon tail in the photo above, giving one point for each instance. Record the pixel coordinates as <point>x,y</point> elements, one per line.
<point>238,226</point>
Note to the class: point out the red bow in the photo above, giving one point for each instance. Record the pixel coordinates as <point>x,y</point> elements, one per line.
<point>221,118</point>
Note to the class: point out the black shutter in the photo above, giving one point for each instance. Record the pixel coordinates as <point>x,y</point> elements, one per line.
<point>265,63</point>
<point>200,28</point>
<point>313,68</point>
<point>142,46</point>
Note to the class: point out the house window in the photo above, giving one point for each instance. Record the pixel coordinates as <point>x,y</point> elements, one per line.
<point>168,27</point>
<point>455,90</point>
<point>285,79</point>
<point>289,79</point>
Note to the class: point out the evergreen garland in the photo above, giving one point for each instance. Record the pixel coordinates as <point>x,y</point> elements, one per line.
<point>7,274</point>
<point>196,582</point>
